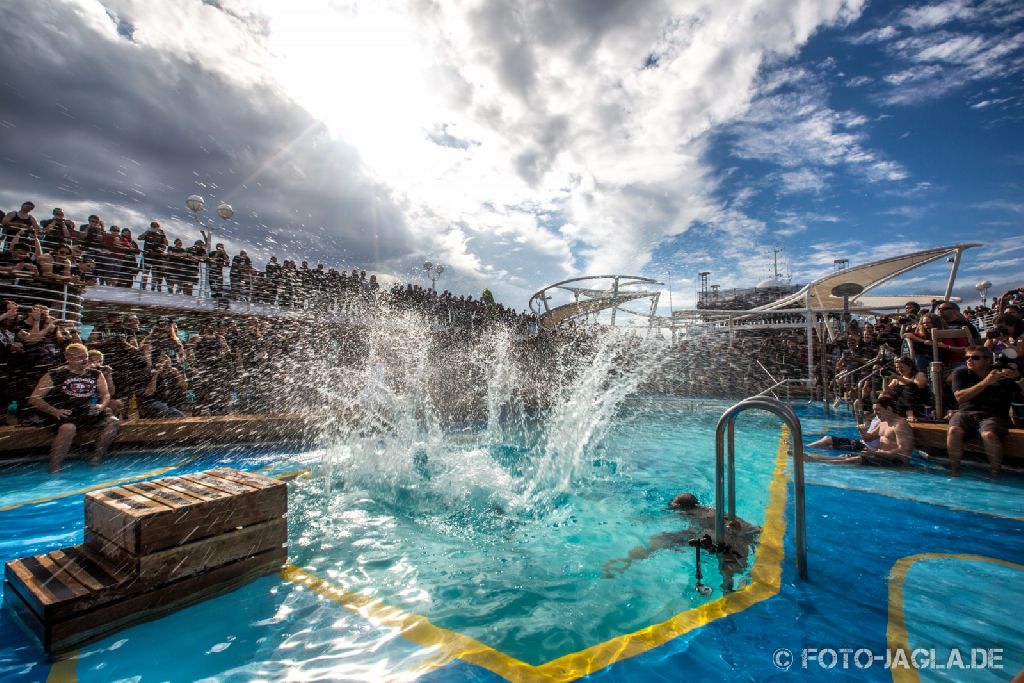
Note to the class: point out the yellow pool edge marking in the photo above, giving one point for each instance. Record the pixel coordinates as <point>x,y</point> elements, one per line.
<point>101,485</point>
<point>896,629</point>
<point>64,670</point>
<point>766,581</point>
<point>923,501</point>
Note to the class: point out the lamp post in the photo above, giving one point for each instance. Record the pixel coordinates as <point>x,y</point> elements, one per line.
<point>433,272</point>
<point>196,204</point>
<point>983,288</point>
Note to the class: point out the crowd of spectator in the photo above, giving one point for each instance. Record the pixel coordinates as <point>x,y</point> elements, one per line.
<point>58,255</point>
<point>260,365</point>
<point>939,349</point>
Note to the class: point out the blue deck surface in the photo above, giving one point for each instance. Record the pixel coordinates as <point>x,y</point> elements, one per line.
<point>861,523</point>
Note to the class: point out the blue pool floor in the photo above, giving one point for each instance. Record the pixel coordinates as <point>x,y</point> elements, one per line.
<point>893,556</point>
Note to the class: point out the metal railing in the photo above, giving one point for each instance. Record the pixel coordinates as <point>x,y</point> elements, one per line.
<point>722,476</point>
<point>64,301</point>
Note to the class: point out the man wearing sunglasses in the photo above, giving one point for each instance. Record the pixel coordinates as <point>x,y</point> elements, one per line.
<point>983,394</point>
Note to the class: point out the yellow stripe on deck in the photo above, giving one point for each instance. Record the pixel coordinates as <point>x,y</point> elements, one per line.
<point>766,581</point>
<point>101,485</point>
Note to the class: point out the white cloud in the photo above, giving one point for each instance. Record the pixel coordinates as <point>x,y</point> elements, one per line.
<point>798,130</point>
<point>580,157</point>
<point>931,16</point>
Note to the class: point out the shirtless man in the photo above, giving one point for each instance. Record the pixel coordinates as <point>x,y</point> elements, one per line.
<point>740,536</point>
<point>895,440</point>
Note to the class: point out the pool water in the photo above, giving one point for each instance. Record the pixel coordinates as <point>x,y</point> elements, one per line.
<point>453,564</point>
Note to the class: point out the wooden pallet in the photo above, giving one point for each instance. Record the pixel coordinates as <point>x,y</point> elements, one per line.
<point>151,548</point>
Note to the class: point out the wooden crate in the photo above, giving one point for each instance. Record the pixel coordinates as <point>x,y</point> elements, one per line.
<point>150,516</point>
<point>60,635</point>
<point>151,548</point>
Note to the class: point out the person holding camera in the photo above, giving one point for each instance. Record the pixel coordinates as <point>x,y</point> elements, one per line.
<point>165,391</point>
<point>75,396</point>
<point>984,391</point>
<point>57,230</point>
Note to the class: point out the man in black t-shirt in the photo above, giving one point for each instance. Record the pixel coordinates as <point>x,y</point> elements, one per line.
<point>75,396</point>
<point>984,395</point>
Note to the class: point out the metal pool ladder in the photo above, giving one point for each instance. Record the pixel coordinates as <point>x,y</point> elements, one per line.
<point>728,422</point>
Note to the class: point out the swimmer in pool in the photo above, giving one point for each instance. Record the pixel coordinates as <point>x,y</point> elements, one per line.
<point>740,537</point>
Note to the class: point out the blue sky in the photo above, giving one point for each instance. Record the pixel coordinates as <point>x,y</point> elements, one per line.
<point>522,143</point>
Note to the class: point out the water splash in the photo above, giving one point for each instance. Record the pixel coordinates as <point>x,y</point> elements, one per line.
<point>486,422</point>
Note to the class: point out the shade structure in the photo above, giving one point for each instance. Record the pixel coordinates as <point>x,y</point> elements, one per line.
<point>818,294</point>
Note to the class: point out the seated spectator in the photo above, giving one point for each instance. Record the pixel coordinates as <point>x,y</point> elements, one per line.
<point>983,393</point>
<point>74,396</point>
<point>910,386</point>
<point>920,340</point>
<point>1011,325</point>
<point>165,393</point>
<point>163,340</point>
<point>952,350</point>
<point>96,361</point>
<point>894,435</point>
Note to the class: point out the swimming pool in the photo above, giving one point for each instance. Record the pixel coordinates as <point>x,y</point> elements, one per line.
<point>479,557</point>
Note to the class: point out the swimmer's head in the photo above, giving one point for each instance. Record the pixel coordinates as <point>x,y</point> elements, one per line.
<point>684,501</point>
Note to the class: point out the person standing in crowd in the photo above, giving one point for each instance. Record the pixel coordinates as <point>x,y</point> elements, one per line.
<point>154,245</point>
<point>216,263</point>
<point>75,397</point>
<point>21,221</point>
<point>176,267</point>
<point>273,272</point>
<point>196,255</point>
<point>241,268</point>
<point>983,394</point>
<point>129,259</point>
<point>57,230</point>
<point>18,263</point>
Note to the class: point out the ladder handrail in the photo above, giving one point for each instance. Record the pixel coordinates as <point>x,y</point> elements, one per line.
<point>796,440</point>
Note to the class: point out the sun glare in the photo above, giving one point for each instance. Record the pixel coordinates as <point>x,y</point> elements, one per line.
<point>362,71</point>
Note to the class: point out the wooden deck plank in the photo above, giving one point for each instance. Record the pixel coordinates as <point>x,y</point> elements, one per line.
<point>931,436</point>
<point>216,430</point>
<point>217,483</point>
<point>73,632</point>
